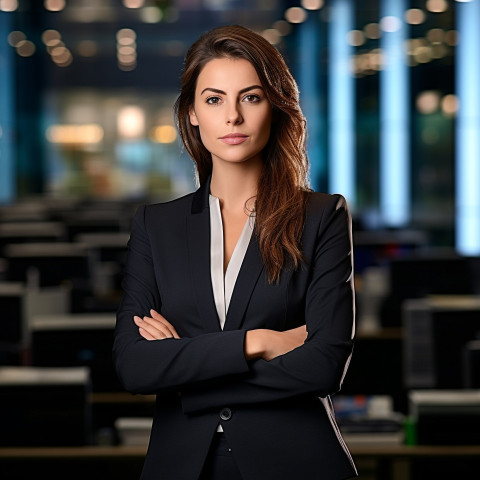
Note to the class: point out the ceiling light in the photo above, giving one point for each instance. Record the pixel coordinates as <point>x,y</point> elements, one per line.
<point>8,5</point>
<point>296,15</point>
<point>312,4</point>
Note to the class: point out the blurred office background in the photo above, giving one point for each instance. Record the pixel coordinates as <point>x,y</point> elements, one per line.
<point>391,92</point>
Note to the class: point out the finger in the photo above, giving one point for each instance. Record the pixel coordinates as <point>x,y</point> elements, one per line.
<point>165,322</point>
<point>158,325</point>
<point>155,329</point>
<point>145,334</point>
<point>157,315</point>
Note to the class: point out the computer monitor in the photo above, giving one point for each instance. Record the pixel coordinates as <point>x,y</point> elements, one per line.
<point>17,304</point>
<point>93,220</point>
<point>30,232</point>
<point>377,247</point>
<point>77,340</point>
<point>12,308</point>
<point>437,331</point>
<point>48,263</point>
<point>108,252</point>
<point>52,264</point>
<point>472,364</point>
<point>45,407</point>
<point>417,276</point>
<point>445,417</point>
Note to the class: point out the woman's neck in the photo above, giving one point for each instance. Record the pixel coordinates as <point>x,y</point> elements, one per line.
<point>234,185</point>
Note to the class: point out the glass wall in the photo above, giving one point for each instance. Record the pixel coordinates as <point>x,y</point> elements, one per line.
<point>88,89</point>
<point>395,105</point>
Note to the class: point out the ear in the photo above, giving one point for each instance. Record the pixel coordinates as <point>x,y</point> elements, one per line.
<point>193,117</point>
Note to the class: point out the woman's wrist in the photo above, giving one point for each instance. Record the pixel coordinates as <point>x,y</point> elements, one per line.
<point>269,344</point>
<point>255,345</point>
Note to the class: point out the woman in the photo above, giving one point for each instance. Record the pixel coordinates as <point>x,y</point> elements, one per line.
<point>221,286</point>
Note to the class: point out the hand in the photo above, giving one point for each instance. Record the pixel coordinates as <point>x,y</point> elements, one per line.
<point>155,327</point>
<point>269,344</point>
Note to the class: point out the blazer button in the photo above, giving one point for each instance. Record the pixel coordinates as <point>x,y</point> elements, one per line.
<point>225,414</point>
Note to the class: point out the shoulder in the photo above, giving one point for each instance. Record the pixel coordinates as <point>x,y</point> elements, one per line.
<point>321,204</point>
<point>327,218</point>
<point>154,216</point>
<point>164,210</point>
<point>175,205</point>
<point>326,212</point>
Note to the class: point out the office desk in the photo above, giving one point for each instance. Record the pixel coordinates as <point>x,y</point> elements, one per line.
<point>112,452</point>
<point>122,462</point>
<point>400,462</point>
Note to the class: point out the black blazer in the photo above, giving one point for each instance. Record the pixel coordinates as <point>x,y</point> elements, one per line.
<point>277,415</point>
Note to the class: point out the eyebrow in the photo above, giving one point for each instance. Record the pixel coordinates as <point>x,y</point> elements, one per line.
<point>243,90</point>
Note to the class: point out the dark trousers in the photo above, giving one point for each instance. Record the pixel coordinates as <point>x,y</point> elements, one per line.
<point>220,464</point>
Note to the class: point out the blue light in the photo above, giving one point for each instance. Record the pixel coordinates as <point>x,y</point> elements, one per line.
<point>309,84</point>
<point>341,98</point>
<point>394,107</point>
<point>467,162</point>
<point>7,183</point>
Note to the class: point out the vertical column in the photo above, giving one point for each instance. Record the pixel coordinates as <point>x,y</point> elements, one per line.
<point>341,98</point>
<point>467,161</point>
<point>7,171</point>
<point>310,84</point>
<point>29,81</point>
<point>394,119</point>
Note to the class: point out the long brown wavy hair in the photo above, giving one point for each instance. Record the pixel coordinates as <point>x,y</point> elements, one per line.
<point>283,185</point>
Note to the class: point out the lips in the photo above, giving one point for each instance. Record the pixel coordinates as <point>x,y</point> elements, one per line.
<point>234,138</point>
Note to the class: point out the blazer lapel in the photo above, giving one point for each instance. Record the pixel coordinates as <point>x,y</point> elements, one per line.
<point>198,231</point>
<point>246,281</point>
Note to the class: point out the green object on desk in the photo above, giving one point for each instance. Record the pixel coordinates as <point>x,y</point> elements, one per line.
<point>410,428</point>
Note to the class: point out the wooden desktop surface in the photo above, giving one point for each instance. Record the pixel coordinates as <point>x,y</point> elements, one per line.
<point>140,451</point>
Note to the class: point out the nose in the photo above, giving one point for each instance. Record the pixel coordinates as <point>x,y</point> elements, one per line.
<point>234,116</point>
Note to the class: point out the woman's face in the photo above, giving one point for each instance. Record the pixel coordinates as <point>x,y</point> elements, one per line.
<point>230,108</point>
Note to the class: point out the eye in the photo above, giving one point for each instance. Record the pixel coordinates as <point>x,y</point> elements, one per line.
<point>213,100</point>
<point>251,98</point>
